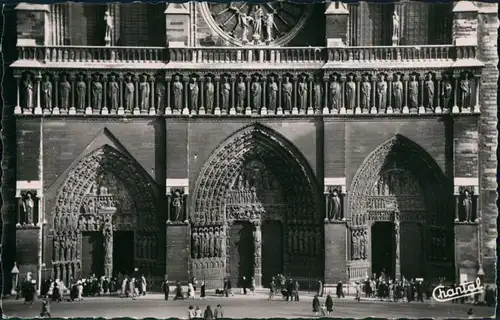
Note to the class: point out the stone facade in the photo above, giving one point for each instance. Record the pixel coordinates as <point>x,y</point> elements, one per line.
<point>190,149</point>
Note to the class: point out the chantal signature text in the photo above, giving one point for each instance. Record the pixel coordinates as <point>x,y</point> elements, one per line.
<point>442,294</point>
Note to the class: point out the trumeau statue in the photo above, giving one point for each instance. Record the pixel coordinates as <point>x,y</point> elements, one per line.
<point>47,93</point>
<point>178,89</point>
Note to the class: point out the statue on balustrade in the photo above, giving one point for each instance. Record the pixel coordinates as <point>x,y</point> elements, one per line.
<point>447,91</point>
<point>114,93</point>
<point>209,94</point>
<point>97,92</point>
<point>81,93</point>
<point>178,89</point>
<point>108,18</point>
<point>366,89</point>
<point>395,24</point>
<point>194,92</point>
<point>160,95</point>
<point>382,92</point>
<point>176,206</point>
<point>269,27</point>
<point>256,91</point>
<point>226,93</point>
<point>351,93</point>
<point>303,91</point>
<point>467,206</point>
<point>429,91</point>
<point>334,210</point>
<point>245,26</point>
<point>257,23</point>
<point>287,94</point>
<point>28,207</point>
<point>335,92</point>
<point>28,92</point>
<point>144,90</point>
<point>129,93</point>
<point>413,92</point>
<point>273,94</point>
<point>397,92</point>
<point>465,90</point>
<point>47,93</point>
<point>242,90</point>
<point>195,245</point>
<point>317,91</point>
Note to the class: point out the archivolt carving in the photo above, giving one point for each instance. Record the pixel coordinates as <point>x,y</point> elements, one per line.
<point>390,161</point>
<point>221,177</point>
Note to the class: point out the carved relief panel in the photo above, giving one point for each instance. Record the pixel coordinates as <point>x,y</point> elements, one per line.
<point>208,242</point>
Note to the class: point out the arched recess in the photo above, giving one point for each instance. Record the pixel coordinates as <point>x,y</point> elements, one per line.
<point>104,179</point>
<point>299,210</point>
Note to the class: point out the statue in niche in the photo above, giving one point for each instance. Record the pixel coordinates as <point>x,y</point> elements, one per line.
<point>355,245</point>
<point>108,18</point>
<point>362,243</point>
<point>382,92</point>
<point>64,92</point>
<point>114,92</point>
<point>317,91</point>
<point>465,90</point>
<point>366,89</point>
<point>351,92</point>
<point>287,94</point>
<point>397,92</point>
<point>28,92</point>
<point>196,245</point>
<point>226,93</point>
<point>28,207</point>
<point>395,24</point>
<point>447,91</point>
<point>176,206</point>
<point>269,27</point>
<point>429,91</point>
<point>467,206</point>
<point>272,94</point>
<point>257,23</point>
<point>178,89</point>
<point>211,244</point>
<point>209,94</point>
<point>303,91</point>
<point>335,92</point>
<point>241,94</point>
<point>194,92</point>
<point>129,93</point>
<point>160,95</point>
<point>97,92</point>
<point>81,93</point>
<point>334,205</point>
<point>204,237</point>
<point>144,90</point>
<point>56,250</point>
<point>47,93</point>
<point>256,91</point>
<point>413,92</point>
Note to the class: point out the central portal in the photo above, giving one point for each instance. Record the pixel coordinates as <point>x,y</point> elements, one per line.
<point>383,259</point>
<point>123,252</point>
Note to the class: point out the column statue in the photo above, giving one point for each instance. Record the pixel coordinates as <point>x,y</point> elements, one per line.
<point>396,236</point>
<point>287,94</point>
<point>366,89</point>
<point>465,92</point>
<point>209,94</point>
<point>413,92</point>
<point>226,93</point>
<point>303,91</point>
<point>144,90</point>
<point>382,92</point>
<point>273,94</point>
<point>447,91</point>
<point>194,92</point>
<point>241,95</point>
<point>129,93</point>
<point>160,95</point>
<point>196,245</point>
<point>429,91</point>
<point>211,244</point>
<point>351,93</point>
<point>218,240</point>
<point>318,91</point>
<point>335,92</point>
<point>81,93</point>
<point>28,206</point>
<point>97,92</point>
<point>355,245</point>
<point>47,93</point>
<point>397,92</point>
<point>334,206</point>
<point>114,93</point>
<point>256,91</point>
<point>178,90</point>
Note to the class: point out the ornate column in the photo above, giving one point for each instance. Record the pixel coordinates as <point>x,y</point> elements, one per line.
<point>202,109</point>
<point>185,111</point>
<point>310,109</point>
<point>373,107</point>
<point>455,109</point>
<point>257,241</point>
<point>421,78</point>
<point>438,91</point>
<point>89,95</point>
<point>72,109</point>
<point>168,84</point>
<point>326,109</point>
<point>476,108</point>
<point>456,195</point>
<point>152,96</point>
<point>137,108</point>
<point>217,95</point>
<point>295,93</point>
<point>358,94</point>
<point>342,94</point>
<point>104,109</point>
<point>248,108</point>
<point>397,269</point>
<point>107,230</point>
<point>38,108</point>
<point>263,99</point>
<point>17,109</point>
<point>279,109</point>
<point>232,108</point>
<point>389,93</point>
<point>405,85</point>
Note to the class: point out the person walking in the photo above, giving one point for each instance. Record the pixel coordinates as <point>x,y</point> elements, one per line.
<point>340,290</point>
<point>208,314</point>
<point>191,313</point>
<point>252,286</point>
<point>329,304</point>
<point>218,312</point>
<point>296,290</point>
<point>358,291</point>
<point>202,290</point>
<point>272,290</point>
<point>165,287</point>
<point>45,309</point>
<point>316,305</point>
<point>191,293</point>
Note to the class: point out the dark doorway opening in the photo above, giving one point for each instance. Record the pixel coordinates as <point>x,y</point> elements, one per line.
<point>272,251</point>
<point>383,247</point>
<point>92,254</point>
<point>241,253</point>
<point>123,252</point>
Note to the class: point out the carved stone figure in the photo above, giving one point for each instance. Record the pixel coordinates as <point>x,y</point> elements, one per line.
<point>269,27</point>
<point>211,244</point>
<point>81,93</point>
<point>114,93</point>
<point>64,92</point>
<point>447,91</point>
<point>194,92</point>
<point>178,89</point>
<point>97,92</point>
<point>56,250</point>
<point>334,206</point>
<point>395,24</point>
<point>382,92</point>
<point>245,26</point>
<point>366,89</point>
<point>397,92</point>
<point>28,92</point>
<point>301,239</point>
<point>355,245</point>
<point>257,23</point>
<point>47,93</point>
<point>363,245</point>
<point>226,93</point>
<point>209,94</point>
<point>204,242</point>
<point>287,94</point>
<point>218,242</point>
<point>467,206</point>
<point>318,91</point>
<point>177,211</point>
<point>108,18</point>
<point>144,90</point>
<point>303,91</point>
<point>290,242</point>
<point>429,91</point>
<point>272,94</point>
<point>196,245</point>
<point>256,91</point>
<point>241,94</point>
<point>396,236</point>
<point>413,92</point>
<point>465,92</point>
<point>351,93</point>
<point>129,93</point>
<point>28,206</point>
<point>335,93</point>
<point>160,95</point>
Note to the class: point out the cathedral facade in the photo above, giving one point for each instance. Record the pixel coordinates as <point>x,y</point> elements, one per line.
<point>227,140</point>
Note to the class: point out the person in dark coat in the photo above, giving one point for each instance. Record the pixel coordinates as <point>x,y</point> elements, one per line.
<point>329,304</point>
<point>165,287</point>
<point>218,312</point>
<point>296,290</point>
<point>208,314</point>
<point>289,290</point>
<point>226,290</point>
<point>340,290</point>
<point>45,309</point>
<point>202,290</point>
<point>230,287</point>
<point>178,292</point>
<point>316,305</point>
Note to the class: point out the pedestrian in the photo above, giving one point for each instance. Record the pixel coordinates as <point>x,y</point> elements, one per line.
<point>329,304</point>
<point>124,287</point>
<point>340,290</point>
<point>191,291</point>
<point>143,285</point>
<point>197,313</point>
<point>272,290</point>
<point>178,292</point>
<point>296,291</point>
<point>45,309</point>
<point>191,313</point>
<point>358,291</point>
<point>323,310</point>
<point>230,287</point>
<point>165,287</point>
<point>316,305</point>
<point>208,314</point>
<point>202,290</point>
<point>252,286</point>
<point>218,312</point>
<point>244,285</point>
<point>470,314</point>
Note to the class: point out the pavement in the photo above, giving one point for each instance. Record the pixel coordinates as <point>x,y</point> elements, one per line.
<point>242,306</point>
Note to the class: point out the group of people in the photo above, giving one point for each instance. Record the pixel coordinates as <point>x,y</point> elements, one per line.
<point>208,314</point>
<point>392,290</point>
<point>288,288</point>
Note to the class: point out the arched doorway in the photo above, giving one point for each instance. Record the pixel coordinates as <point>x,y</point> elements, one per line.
<point>256,189</point>
<point>399,201</point>
<point>104,221</point>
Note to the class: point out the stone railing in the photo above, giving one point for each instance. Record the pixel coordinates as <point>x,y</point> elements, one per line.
<point>357,270</point>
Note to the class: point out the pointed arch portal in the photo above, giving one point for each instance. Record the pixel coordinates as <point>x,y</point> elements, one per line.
<point>104,219</point>
<point>255,189</point>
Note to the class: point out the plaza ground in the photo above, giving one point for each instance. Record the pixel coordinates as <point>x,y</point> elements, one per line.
<point>241,306</point>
